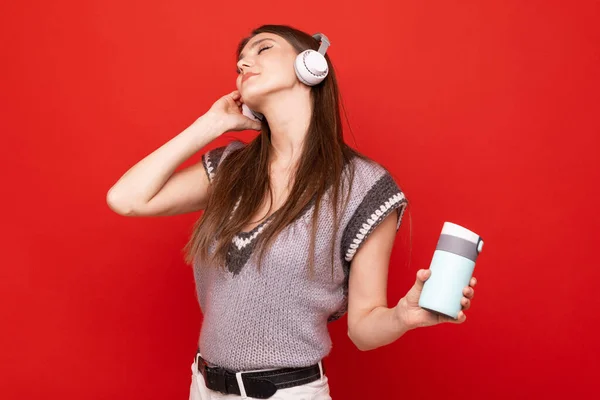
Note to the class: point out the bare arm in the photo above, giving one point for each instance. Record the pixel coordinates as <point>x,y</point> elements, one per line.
<point>371,323</point>
<point>151,188</point>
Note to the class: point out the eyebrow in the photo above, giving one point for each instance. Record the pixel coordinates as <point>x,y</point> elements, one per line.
<point>253,45</point>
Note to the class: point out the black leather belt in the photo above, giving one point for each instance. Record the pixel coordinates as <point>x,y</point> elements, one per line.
<point>260,385</point>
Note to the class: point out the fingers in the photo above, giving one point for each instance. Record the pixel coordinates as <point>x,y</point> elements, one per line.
<point>462,317</point>
<point>465,303</point>
<point>469,292</point>
<point>422,276</point>
<point>253,125</point>
<point>237,97</point>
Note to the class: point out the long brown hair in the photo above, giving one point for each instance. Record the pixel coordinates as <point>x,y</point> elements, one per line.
<point>244,173</point>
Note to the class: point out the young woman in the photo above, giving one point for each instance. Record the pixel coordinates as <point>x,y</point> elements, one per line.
<point>297,229</point>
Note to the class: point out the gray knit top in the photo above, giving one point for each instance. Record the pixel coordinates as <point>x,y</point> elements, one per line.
<point>278,317</point>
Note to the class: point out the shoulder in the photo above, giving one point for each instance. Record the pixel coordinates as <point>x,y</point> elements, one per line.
<point>374,194</point>
<point>220,152</point>
<point>211,159</point>
<point>370,179</point>
<point>366,171</point>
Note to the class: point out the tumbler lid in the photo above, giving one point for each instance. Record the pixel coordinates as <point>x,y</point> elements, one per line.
<point>461,232</point>
<point>459,240</point>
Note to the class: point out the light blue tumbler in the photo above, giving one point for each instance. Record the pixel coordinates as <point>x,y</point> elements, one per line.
<point>451,270</point>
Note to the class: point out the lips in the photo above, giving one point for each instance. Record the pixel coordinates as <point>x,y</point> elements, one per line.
<point>248,75</point>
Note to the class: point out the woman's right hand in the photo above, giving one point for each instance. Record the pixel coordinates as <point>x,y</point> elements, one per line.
<point>228,111</point>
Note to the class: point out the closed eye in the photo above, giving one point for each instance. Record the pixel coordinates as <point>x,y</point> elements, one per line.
<point>264,48</point>
<point>259,51</point>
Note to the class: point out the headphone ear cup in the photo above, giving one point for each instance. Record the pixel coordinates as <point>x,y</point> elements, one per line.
<point>254,115</point>
<point>311,67</point>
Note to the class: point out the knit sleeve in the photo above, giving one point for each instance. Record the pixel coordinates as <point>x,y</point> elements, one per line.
<point>377,196</point>
<point>212,158</point>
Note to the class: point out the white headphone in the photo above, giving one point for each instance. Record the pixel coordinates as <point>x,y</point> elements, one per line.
<point>310,66</point>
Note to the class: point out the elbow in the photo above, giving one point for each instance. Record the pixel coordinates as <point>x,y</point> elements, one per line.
<point>359,345</point>
<point>117,204</point>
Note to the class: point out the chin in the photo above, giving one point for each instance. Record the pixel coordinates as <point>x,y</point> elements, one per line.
<point>253,97</point>
<point>250,93</point>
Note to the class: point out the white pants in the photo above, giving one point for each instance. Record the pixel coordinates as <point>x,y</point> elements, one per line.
<point>315,390</point>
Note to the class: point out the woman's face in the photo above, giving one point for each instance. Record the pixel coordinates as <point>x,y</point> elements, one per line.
<point>266,65</point>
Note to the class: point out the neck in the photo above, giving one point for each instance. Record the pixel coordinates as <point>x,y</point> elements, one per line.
<point>289,116</point>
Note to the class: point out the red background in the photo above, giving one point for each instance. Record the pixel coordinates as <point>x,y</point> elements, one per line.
<point>485,112</point>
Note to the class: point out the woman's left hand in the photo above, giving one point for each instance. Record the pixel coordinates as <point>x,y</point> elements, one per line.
<point>413,316</point>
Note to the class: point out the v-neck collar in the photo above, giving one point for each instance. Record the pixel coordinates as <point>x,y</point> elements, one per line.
<point>243,244</point>
<point>243,234</point>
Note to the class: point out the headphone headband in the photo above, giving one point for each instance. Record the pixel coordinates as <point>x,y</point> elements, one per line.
<point>324,42</point>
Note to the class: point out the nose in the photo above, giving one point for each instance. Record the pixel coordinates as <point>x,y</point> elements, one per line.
<point>243,64</point>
